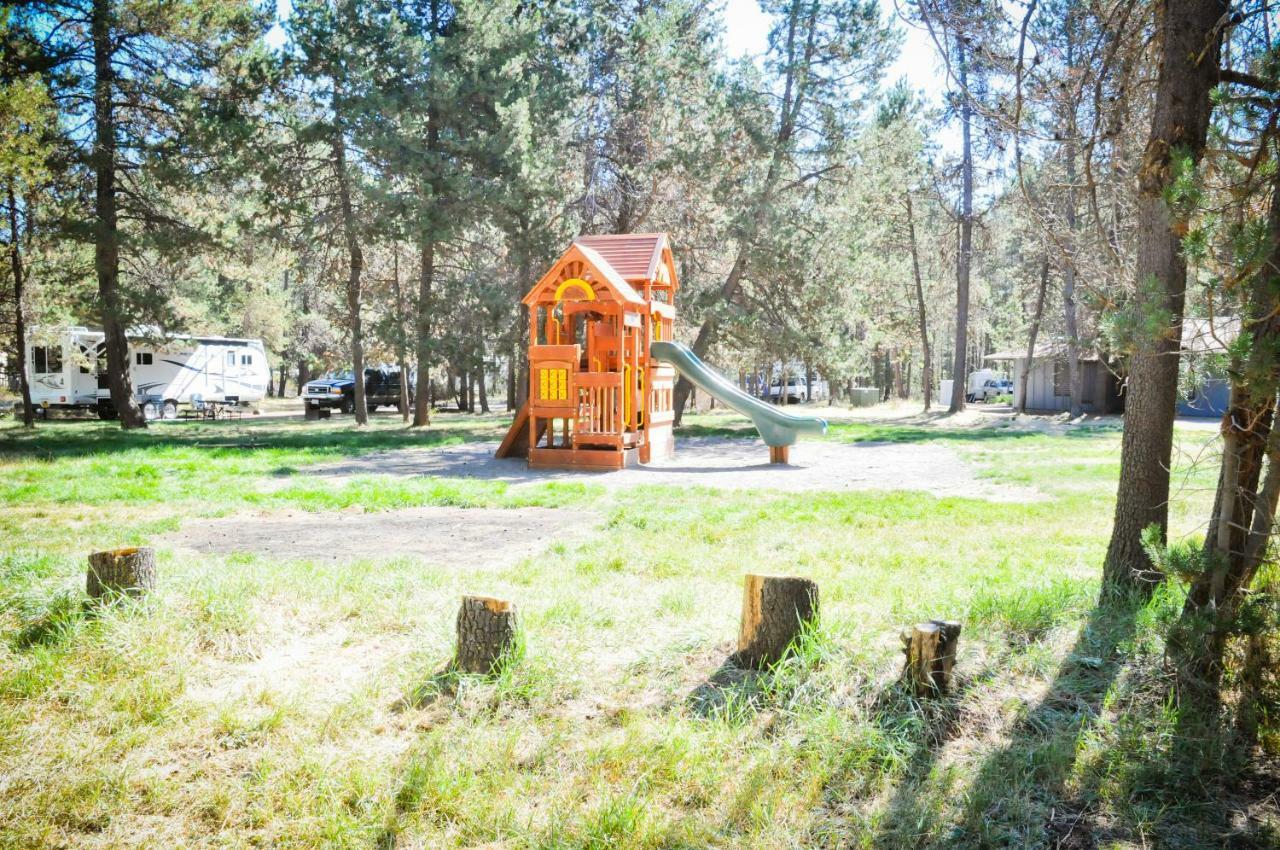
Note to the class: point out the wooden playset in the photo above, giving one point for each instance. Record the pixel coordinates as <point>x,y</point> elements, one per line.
<point>596,399</point>
<point>603,362</point>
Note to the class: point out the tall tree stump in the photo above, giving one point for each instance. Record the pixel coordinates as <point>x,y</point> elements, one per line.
<point>774,611</point>
<point>131,571</point>
<point>930,650</point>
<point>486,634</point>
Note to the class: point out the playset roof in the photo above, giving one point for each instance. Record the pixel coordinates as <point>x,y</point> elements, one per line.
<point>615,261</point>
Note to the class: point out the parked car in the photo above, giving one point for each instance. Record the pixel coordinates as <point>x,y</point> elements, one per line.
<point>991,389</point>
<point>797,390</point>
<point>338,390</point>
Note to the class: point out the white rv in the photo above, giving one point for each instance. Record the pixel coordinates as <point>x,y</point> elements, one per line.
<point>68,369</point>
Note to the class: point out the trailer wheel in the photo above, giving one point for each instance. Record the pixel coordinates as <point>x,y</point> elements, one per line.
<point>106,413</point>
<point>169,410</point>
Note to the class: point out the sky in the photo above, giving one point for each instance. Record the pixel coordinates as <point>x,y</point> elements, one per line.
<point>747,32</point>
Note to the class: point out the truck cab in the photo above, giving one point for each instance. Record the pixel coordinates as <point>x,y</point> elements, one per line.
<point>337,390</point>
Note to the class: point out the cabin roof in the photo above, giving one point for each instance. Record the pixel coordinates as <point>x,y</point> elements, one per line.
<point>1199,336</point>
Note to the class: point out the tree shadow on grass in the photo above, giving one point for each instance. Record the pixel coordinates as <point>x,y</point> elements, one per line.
<point>224,439</point>
<point>730,689</point>
<point>1008,792</point>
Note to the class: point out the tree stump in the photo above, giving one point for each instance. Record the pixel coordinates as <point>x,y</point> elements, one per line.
<point>130,571</point>
<point>486,634</point>
<point>930,650</point>
<point>774,611</point>
<point>779,454</point>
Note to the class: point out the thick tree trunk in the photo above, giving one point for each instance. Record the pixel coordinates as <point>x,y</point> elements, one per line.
<point>127,571</point>
<point>1190,43</point>
<point>283,383</point>
<point>106,249</point>
<point>1033,335</point>
<point>486,634</point>
<point>19,309</point>
<point>960,370</point>
<point>775,610</point>
<point>930,650</point>
<point>926,369</point>
<point>355,269</point>
<point>1240,528</point>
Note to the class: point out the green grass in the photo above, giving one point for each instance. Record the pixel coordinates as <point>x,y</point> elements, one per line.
<point>255,702</point>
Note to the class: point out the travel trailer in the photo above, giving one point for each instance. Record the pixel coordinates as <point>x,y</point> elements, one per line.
<point>68,369</point>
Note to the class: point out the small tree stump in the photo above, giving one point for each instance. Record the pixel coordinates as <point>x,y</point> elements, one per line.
<point>486,634</point>
<point>930,650</point>
<point>131,571</point>
<point>774,611</point>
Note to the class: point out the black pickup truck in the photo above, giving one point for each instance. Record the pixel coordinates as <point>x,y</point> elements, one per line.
<point>381,389</point>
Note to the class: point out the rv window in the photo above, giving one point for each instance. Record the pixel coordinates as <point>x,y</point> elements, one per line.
<point>47,358</point>
<point>143,358</point>
<point>246,359</point>
<point>231,358</point>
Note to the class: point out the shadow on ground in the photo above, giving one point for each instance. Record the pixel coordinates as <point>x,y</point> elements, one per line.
<point>1011,788</point>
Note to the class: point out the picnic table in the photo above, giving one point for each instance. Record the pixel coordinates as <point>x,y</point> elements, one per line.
<point>202,408</point>
<point>223,410</point>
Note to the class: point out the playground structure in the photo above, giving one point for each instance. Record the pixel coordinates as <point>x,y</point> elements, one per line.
<point>603,362</point>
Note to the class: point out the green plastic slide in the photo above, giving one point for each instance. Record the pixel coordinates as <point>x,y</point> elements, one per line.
<point>776,426</point>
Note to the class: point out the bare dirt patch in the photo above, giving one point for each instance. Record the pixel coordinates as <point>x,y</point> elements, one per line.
<point>719,462</point>
<point>479,537</point>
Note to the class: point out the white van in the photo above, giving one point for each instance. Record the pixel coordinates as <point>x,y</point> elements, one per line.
<point>67,368</point>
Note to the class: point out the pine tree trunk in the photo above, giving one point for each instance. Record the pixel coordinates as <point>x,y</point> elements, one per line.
<point>486,634</point>
<point>775,610</point>
<point>1033,335</point>
<point>960,370</point>
<point>19,309</point>
<point>799,49</point>
<point>926,369</point>
<point>106,249</point>
<point>1241,526</point>
<point>427,271</point>
<point>402,353</point>
<point>1191,43</point>
<point>128,571</point>
<point>355,269</point>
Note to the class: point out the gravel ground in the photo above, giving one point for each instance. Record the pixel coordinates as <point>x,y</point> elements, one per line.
<point>474,537</point>
<point>719,462</point>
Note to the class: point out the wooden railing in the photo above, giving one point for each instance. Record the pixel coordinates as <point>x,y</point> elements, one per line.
<point>599,403</point>
<point>662,396</point>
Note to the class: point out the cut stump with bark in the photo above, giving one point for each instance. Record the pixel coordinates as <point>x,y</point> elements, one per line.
<point>486,634</point>
<point>930,650</point>
<point>775,609</point>
<point>130,571</point>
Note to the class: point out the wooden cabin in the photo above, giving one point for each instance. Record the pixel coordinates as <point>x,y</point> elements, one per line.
<point>595,400</point>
